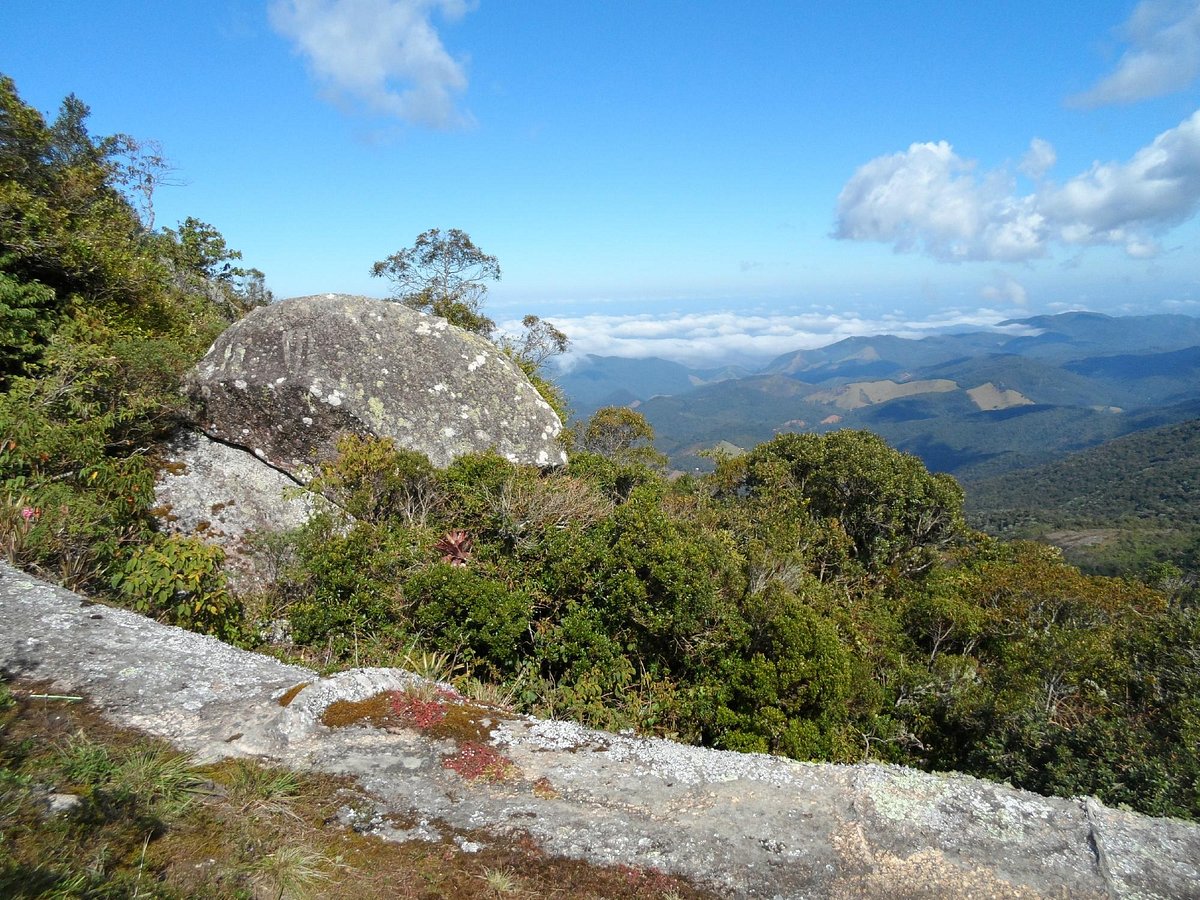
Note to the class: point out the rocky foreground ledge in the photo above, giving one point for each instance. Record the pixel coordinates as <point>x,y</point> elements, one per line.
<point>744,825</point>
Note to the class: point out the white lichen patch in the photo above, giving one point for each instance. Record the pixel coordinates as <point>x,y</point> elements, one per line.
<point>543,458</point>
<point>438,388</point>
<point>449,432</point>
<point>315,389</point>
<point>905,796</point>
<point>422,329</point>
<point>335,398</point>
<point>479,360</point>
<point>307,420</point>
<point>240,384</point>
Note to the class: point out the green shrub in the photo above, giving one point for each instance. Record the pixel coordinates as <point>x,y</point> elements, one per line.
<point>474,485</point>
<point>791,694</point>
<point>460,611</point>
<point>374,481</point>
<point>346,584</point>
<point>180,580</point>
<point>895,512</point>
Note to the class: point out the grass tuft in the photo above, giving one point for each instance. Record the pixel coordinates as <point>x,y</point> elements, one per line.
<point>502,881</point>
<point>291,871</point>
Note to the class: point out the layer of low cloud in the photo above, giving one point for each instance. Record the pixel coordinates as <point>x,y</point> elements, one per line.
<point>385,55</point>
<point>1163,54</point>
<point>714,338</point>
<point>930,199</point>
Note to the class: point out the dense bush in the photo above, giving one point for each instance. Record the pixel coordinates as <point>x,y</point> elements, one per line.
<point>818,598</point>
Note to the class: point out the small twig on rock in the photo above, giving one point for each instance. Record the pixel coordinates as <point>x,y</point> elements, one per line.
<point>55,697</point>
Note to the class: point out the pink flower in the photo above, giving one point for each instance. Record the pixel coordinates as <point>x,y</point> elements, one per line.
<point>28,513</point>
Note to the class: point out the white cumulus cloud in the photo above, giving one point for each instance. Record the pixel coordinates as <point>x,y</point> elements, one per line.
<point>1038,159</point>
<point>384,54</point>
<point>1120,203</point>
<point>1163,56</point>
<point>1006,289</point>
<point>929,198</point>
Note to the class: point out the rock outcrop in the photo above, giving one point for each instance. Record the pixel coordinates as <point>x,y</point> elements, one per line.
<point>746,825</point>
<point>289,379</point>
<point>225,495</point>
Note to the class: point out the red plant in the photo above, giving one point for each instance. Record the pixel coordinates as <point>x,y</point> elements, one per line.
<point>475,761</point>
<point>422,713</point>
<point>455,547</point>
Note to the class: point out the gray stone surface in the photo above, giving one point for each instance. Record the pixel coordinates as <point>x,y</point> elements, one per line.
<point>747,825</point>
<point>223,495</point>
<point>290,378</point>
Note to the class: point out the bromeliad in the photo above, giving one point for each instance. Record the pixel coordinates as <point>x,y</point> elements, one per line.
<point>455,548</point>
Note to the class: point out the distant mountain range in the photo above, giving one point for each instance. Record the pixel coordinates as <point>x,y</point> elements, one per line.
<point>596,381</point>
<point>975,404</point>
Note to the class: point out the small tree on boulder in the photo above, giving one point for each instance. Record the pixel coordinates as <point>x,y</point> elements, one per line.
<point>444,274</point>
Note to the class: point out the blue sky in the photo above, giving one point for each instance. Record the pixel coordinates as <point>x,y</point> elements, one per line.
<point>697,180</point>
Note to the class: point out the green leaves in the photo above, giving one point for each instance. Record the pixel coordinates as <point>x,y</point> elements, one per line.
<point>180,579</point>
<point>894,511</point>
<point>94,334</point>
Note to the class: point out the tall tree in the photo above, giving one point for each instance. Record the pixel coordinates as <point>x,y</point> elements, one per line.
<point>445,274</point>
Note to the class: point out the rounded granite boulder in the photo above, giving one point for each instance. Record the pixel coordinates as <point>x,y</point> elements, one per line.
<point>288,380</point>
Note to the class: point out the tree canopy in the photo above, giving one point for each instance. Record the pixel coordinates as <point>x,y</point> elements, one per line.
<point>99,317</point>
<point>444,274</point>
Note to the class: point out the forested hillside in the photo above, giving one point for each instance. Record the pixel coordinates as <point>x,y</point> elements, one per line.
<point>1129,502</point>
<point>819,596</point>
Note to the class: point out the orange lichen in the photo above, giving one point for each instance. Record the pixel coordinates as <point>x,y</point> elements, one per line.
<point>287,698</point>
<point>376,710</point>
